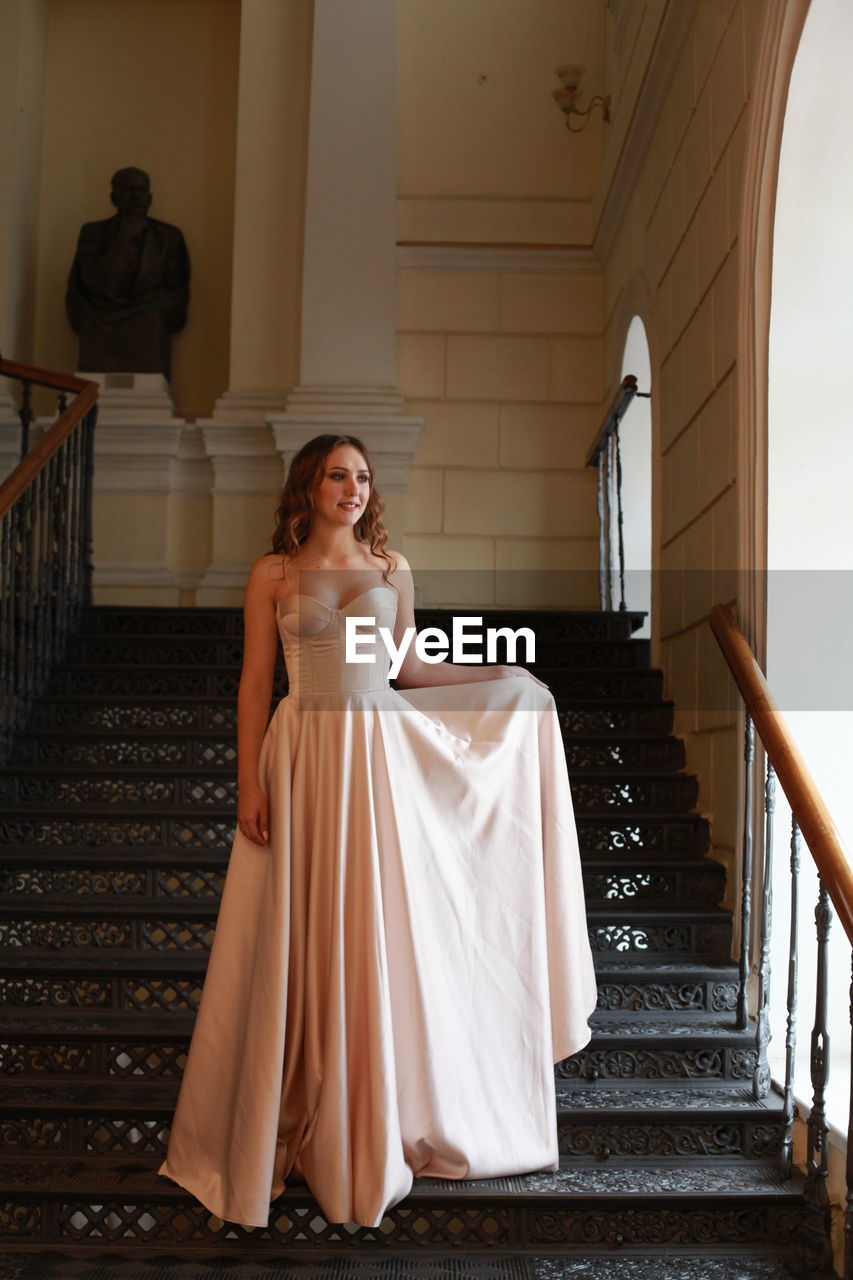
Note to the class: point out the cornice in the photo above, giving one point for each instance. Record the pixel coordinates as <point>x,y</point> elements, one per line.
<point>574,259</point>
<point>669,41</point>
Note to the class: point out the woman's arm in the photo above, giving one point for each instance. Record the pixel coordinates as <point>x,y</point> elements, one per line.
<point>260,640</point>
<point>416,674</point>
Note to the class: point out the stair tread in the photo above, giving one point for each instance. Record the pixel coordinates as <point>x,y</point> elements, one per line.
<point>132,905</point>
<point>154,772</point>
<point>668,1025</point>
<point>617,1105</point>
<point>138,857</point>
<point>141,809</point>
<point>75,1263</point>
<point>44,1175</point>
<point>173,962</point>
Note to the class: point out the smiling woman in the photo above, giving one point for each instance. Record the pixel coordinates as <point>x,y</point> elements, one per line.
<point>401,953</point>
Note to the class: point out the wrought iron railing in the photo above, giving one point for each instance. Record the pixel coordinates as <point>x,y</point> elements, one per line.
<point>811,820</point>
<point>606,455</point>
<point>45,540</point>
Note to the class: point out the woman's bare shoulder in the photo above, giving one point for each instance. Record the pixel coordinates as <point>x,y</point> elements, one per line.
<point>267,572</point>
<point>400,561</point>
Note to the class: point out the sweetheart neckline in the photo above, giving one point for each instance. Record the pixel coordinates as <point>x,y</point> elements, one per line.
<point>298,595</point>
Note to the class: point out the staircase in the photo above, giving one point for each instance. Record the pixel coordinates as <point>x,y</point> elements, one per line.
<point>117,814</point>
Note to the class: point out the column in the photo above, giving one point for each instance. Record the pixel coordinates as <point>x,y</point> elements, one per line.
<point>347,371</point>
<point>275,53</point>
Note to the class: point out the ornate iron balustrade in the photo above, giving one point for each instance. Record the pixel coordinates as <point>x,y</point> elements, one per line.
<point>605,454</point>
<point>811,820</point>
<point>45,541</point>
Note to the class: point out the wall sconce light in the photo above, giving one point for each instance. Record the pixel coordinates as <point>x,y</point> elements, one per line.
<point>566,99</point>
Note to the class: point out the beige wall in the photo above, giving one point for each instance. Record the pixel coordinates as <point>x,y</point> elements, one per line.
<point>500,304</point>
<point>150,83</point>
<point>482,149</point>
<point>22,38</point>
<point>505,368</point>
<point>677,246</point>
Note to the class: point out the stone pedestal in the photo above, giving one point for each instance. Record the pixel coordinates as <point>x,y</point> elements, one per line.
<point>133,397</point>
<point>247,481</point>
<point>149,464</point>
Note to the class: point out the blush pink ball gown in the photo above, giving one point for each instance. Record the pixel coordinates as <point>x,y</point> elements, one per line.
<point>392,980</point>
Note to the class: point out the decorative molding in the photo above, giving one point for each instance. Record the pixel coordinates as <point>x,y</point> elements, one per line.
<point>672,33</point>
<point>494,220</point>
<point>133,397</point>
<point>247,406</point>
<point>781,29</point>
<point>574,260</point>
<point>230,577</point>
<point>334,401</point>
<point>192,471</point>
<point>135,458</point>
<point>389,438</point>
<point>130,574</point>
<point>243,456</point>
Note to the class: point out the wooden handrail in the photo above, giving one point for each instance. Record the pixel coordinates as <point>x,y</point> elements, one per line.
<point>29,467</point>
<point>807,806</point>
<point>42,377</point>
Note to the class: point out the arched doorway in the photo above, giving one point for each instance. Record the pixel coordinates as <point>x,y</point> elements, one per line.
<point>635,433</point>
<point>810,464</point>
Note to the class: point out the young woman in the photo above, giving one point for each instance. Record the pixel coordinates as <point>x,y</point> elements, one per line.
<point>401,953</point>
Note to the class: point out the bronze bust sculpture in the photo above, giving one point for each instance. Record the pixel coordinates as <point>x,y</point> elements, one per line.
<point>128,286</point>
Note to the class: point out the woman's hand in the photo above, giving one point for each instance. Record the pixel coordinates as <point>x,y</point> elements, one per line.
<point>253,814</point>
<point>520,671</point>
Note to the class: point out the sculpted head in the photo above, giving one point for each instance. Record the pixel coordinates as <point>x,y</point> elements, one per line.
<point>131,190</point>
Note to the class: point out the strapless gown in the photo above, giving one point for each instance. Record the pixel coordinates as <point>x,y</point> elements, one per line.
<point>392,980</point>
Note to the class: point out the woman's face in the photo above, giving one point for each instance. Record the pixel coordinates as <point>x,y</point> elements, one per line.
<point>343,489</point>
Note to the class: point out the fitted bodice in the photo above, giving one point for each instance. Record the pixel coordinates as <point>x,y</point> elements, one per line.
<point>313,637</point>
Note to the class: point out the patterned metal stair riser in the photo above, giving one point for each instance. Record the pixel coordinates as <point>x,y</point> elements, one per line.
<point>164,934</point>
<point>208,754</point>
<point>666,795</point>
<point>96,1134</point>
<point>574,625</point>
<point>187,683</point>
<point>700,885</point>
<point>123,1220</point>
<point>658,837</point>
<point>626,655</point>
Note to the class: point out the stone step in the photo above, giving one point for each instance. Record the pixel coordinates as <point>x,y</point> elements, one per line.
<point>176,875</point>
<point>52,751</point>
<point>195,682</point>
<point>184,790</point>
<point>711,1203</point>
<point>74,1262</point>
<point>147,1033</point>
<point>131,1117</point>
<point>140,621</point>
<point>601,835</point>
<point>227,652</point>
<point>118,922</point>
<point>115,715</point>
<point>140,981</point>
